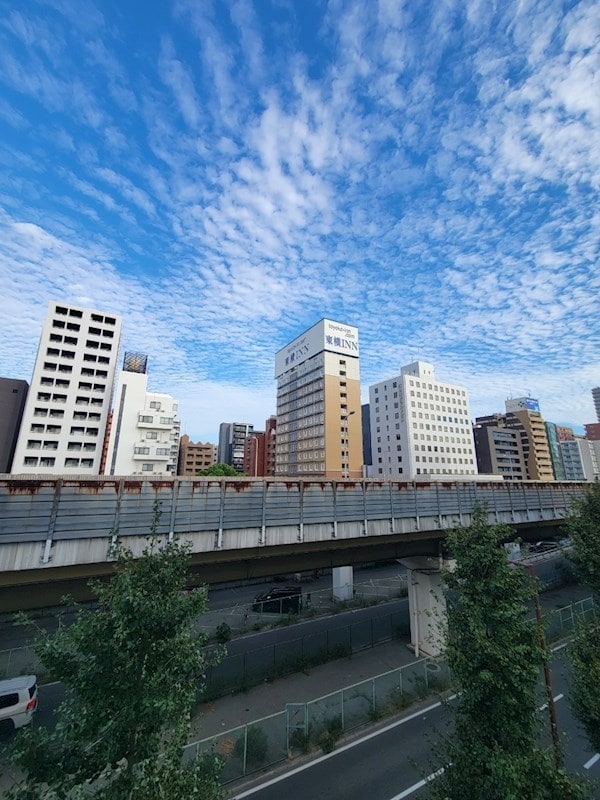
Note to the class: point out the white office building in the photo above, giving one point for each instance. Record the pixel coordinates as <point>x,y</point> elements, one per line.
<point>145,427</point>
<point>420,426</point>
<point>63,425</point>
<point>580,458</point>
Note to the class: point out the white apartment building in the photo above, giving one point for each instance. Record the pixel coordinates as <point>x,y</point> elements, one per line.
<point>420,426</point>
<point>144,433</point>
<point>580,458</point>
<point>63,425</point>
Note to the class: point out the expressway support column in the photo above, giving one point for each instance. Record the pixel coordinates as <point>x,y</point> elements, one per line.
<point>343,583</point>
<point>426,604</point>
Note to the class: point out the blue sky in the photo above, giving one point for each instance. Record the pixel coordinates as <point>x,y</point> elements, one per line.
<point>224,174</point>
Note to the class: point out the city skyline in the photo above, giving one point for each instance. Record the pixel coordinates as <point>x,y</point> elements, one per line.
<point>224,175</point>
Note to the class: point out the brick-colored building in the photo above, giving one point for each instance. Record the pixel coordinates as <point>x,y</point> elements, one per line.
<point>195,456</point>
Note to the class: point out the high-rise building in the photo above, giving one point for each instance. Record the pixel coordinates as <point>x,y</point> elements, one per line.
<point>194,457</point>
<point>63,424</point>
<point>596,399</point>
<point>420,426</point>
<point>270,444</point>
<point>255,455</point>
<point>499,451</point>
<point>365,416</point>
<point>556,434</point>
<point>232,436</point>
<point>592,431</point>
<point>13,394</point>
<point>523,414</point>
<point>144,433</point>
<point>318,403</point>
<point>580,459</point>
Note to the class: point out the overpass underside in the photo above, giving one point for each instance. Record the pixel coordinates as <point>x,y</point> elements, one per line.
<point>56,533</point>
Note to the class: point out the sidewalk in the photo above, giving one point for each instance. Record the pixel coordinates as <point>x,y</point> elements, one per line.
<point>272,696</point>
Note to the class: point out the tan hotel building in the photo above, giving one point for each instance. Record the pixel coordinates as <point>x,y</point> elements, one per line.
<point>319,430</point>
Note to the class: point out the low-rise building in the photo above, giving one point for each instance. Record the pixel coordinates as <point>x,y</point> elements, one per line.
<point>195,456</point>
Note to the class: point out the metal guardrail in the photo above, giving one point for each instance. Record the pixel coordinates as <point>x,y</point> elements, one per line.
<point>301,726</point>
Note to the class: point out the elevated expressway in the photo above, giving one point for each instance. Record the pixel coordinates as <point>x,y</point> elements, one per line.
<point>58,530</point>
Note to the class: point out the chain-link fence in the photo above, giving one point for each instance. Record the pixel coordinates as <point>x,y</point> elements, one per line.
<point>242,618</point>
<point>19,661</point>
<point>252,667</point>
<point>563,621</point>
<point>303,727</point>
<point>318,723</point>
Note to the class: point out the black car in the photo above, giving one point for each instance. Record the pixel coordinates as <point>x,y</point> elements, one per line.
<point>279,600</point>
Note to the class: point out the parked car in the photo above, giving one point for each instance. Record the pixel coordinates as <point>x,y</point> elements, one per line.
<point>18,701</point>
<point>542,547</point>
<point>280,600</point>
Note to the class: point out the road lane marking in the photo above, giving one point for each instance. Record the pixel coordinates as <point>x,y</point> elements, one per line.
<point>416,786</point>
<point>556,699</point>
<point>342,749</point>
<point>560,646</point>
<point>589,764</point>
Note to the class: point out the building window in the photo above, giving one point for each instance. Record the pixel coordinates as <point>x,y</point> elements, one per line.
<point>147,467</point>
<point>141,451</point>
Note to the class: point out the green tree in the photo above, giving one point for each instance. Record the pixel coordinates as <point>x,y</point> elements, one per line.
<point>494,652</point>
<point>132,670</point>
<point>584,530</point>
<point>221,470</point>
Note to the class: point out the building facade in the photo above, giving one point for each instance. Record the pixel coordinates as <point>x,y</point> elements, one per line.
<point>255,455</point>
<point>592,431</point>
<point>195,456</point>
<point>318,404</point>
<point>498,450</point>
<point>580,458</point>
<point>62,430</point>
<point>556,434</point>
<point>232,436</point>
<point>523,414</point>
<point>596,399</point>
<point>420,426</point>
<point>144,433</point>
<point>13,395</point>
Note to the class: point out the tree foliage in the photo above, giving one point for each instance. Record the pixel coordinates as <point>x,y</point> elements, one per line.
<point>221,470</point>
<point>584,530</point>
<point>131,669</point>
<point>494,652</point>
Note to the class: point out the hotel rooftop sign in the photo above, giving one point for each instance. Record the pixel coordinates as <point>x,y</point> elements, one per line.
<point>334,337</point>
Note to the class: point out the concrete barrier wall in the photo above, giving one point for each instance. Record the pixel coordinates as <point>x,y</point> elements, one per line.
<point>67,521</point>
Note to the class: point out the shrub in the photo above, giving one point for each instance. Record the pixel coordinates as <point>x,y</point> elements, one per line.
<point>256,747</point>
<point>223,633</point>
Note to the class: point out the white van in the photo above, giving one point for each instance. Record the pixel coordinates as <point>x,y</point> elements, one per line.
<point>18,701</point>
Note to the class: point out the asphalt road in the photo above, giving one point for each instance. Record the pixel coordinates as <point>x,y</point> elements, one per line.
<point>392,762</point>
<point>233,599</point>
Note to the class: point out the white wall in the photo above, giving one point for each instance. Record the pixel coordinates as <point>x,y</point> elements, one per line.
<point>142,441</point>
